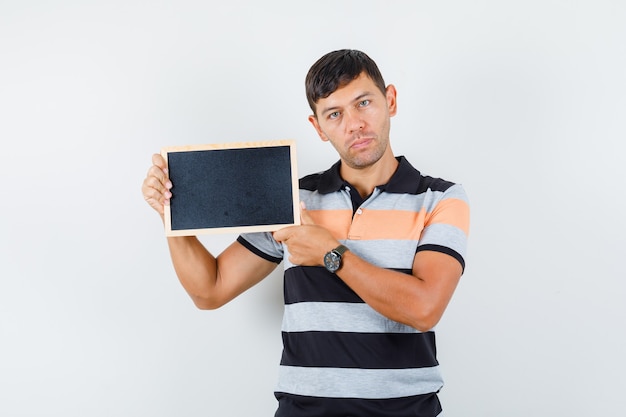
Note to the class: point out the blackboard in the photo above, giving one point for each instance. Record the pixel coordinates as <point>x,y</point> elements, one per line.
<point>232,187</point>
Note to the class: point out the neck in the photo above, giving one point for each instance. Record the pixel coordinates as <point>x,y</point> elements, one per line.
<point>367,178</point>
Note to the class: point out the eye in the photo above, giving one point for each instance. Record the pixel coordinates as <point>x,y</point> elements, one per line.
<point>364,103</point>
<point>333,115</point>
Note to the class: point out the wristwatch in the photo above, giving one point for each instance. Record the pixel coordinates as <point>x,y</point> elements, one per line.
<point>332,260</point>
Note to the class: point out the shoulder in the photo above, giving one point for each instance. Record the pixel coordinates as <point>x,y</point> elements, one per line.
<point>409,180</point>
<point>447,189</point>
<point>433,184</point>
<point>325,181</point>
<point>310,182</point>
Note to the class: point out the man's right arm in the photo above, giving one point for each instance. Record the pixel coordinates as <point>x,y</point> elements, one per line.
<point>210,282</point>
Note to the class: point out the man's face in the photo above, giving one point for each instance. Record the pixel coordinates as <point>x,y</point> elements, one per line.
<point>355,119</point>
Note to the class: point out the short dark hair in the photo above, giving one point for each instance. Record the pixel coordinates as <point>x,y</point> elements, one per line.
<point>336,69</point>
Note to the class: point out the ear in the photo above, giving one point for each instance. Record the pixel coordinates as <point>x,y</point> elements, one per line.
<point>317,127</point>
<point>390,94</point>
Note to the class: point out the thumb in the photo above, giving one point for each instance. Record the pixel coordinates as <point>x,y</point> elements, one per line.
<point>305,217</point>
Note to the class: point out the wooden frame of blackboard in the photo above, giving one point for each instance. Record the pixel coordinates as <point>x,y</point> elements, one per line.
<point>260,196</point>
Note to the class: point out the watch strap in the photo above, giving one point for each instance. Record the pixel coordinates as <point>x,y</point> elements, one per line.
<point>341,249</point>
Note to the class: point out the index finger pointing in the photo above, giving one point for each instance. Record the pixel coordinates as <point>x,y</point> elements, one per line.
<point>282,234</point>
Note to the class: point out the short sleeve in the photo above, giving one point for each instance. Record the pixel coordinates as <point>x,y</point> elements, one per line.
<point>263,245</point>
<point>446,227</point>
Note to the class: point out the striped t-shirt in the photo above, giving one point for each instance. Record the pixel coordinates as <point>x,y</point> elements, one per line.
<point>341,357</point>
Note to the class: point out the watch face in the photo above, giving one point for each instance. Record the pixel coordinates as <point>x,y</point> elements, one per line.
<point>332,261</point>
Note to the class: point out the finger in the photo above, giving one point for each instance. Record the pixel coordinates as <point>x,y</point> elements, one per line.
<point>153,194</point>
<point>160,175</point>
<point>305,217</point>
<point>153,186</point>
<point>282,235</point>
<point>156,186</point>
<point>158,160</point>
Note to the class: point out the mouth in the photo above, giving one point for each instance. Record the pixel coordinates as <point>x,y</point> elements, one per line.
<point>361,143</point>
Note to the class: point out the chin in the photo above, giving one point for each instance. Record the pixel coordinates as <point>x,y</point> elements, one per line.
<point>364,160</point>
<point>361,163</point>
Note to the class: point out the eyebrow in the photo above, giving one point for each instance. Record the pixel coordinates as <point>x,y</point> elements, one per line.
<point>334,108</point>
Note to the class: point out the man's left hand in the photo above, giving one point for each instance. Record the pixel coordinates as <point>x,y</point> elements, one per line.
<point>308,243</point>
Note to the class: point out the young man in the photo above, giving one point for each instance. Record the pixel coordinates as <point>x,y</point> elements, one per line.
<point>369,272</point>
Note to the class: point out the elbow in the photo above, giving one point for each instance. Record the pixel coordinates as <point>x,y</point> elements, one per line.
<point>425,319</point>
<point>206,303</point>
<point>424,325</point>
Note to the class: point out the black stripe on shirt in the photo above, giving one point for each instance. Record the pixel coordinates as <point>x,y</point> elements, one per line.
<point>257,252</point>
<point>359,350</point>
<point>444,249</point>
<point>313,283</point>
<point>316,284</point>
<point>289,405</point>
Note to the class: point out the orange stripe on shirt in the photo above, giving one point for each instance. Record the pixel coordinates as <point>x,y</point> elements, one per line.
<point>391,224</point>
<point>451,211</point>
<point>337,221</point>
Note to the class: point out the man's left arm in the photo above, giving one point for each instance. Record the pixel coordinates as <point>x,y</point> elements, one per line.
<point>418,300</point>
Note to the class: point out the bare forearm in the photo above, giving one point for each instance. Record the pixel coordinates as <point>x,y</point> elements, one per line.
<point>212,281</point>
<point>391,293</point>
<point>417,299</point>
<point>404,298</point>
<point>195,267</point>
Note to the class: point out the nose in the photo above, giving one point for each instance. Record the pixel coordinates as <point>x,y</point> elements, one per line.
<point>354,121</point>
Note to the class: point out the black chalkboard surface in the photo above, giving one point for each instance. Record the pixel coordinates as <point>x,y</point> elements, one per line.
<point>235,188</point>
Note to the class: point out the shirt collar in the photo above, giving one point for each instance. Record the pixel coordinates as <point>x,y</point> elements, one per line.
<point>406,179</point>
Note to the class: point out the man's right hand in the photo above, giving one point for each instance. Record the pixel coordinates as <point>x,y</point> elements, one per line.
<point>156,186</point>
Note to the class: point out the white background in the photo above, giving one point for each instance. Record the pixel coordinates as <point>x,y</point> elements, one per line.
<point>524,103</point>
